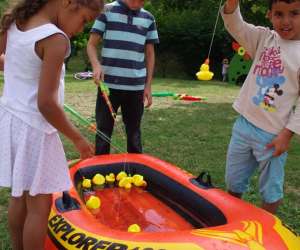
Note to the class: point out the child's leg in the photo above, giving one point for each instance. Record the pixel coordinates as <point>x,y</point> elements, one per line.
<point>132,111</point>
<point>271,170</point>
<point>35,227</point>
<point>240,163</point>
<point>16,217</point>
<point>271,207</point>
<point>271,182</point>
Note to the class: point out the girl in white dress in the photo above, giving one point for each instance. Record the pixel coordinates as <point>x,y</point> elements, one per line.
<point>34,41</point>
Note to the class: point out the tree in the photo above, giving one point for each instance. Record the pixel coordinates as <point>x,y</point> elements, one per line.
<point>185,29</point>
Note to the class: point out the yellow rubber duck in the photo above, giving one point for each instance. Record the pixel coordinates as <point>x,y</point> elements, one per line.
<point>121,175</point>
<point>138,180</point>
<point>93,203</point>
<point>126,182</point>
<point>204,74</point>
<point>98,181</point>
<point>110,179</point>
<point>134,228</point>
<point>86,183</point>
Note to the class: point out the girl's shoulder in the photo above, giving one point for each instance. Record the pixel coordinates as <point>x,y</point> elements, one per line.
<point>38,31</point>
<point>35,34</point>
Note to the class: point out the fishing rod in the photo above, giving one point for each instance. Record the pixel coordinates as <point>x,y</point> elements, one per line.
<point>86,123</point>
<point>105,93</point>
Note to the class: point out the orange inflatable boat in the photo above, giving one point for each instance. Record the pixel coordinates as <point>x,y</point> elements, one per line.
<point>174,211</point>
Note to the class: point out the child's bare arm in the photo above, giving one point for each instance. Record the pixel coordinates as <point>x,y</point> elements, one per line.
<point>281,142</point>
<point>53,51</point>
<point>150,62</point>
<point>246,34</point>
<point>230,6</point>
<point>3,38</point>
<point>92,52</point>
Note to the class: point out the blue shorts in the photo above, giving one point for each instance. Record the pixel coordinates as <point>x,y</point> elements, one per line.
<point>247,152</point>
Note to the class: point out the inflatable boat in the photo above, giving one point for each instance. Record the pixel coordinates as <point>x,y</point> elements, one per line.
<point>174,211</point>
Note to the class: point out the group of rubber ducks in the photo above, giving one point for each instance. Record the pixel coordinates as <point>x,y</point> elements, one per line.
<point>98,182</point>
<point>122,180</point>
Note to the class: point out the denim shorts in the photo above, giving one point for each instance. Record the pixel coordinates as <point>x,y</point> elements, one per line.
<point>246,153</point>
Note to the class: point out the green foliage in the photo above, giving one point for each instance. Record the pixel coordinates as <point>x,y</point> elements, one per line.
<point>185,30</point>
<point>3,4</point>
<point>80,41</point>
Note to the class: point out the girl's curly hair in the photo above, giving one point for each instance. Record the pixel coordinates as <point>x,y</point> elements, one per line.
<point>21,10</point>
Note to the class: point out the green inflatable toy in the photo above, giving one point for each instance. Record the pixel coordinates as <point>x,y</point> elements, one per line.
<point>239,65</point>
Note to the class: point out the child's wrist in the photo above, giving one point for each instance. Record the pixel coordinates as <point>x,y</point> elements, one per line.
<point>287,133</point>
<point>76,137</point>
<point>230,8</point>
<point>96,64</point>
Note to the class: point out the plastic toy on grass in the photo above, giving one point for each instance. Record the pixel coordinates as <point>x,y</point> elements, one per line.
<point>204,74</point>
<point>239,65</point>
<point>163,94</point>
<point>186,97</point>
<point>83,75</point>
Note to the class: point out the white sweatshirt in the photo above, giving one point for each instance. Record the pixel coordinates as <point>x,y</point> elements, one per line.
<point>269,97</point>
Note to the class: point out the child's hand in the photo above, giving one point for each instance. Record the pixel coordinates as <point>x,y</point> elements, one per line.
<point>230,6</point>
<point>98,74</point>
<point>85,148</point>
<point>281,142</point>
<point>148,95</point>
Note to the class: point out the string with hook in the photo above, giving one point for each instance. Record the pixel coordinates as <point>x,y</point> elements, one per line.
<point>214,31</point>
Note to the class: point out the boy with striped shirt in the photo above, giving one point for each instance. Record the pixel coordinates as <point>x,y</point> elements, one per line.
<point>128,34</point>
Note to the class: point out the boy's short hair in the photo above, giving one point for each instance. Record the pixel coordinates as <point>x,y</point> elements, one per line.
<point>271,2</point>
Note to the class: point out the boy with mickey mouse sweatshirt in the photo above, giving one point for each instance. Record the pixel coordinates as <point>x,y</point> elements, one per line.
<point>268,103</point>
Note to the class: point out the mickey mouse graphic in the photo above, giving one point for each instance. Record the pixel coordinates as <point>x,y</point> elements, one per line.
<point>270,95</point>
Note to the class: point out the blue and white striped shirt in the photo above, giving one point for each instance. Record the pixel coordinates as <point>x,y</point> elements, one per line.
<point>125,33</point>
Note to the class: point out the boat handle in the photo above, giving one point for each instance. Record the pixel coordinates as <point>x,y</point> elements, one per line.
<point>66,203</point>
<point>67,200</point>
<point>204,179</point>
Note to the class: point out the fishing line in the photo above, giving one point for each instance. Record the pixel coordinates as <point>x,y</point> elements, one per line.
<point>215,28</point>
<point>86,124</point>
<point>105,94</point>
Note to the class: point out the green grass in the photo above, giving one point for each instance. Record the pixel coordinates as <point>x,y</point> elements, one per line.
<point>193,136</point>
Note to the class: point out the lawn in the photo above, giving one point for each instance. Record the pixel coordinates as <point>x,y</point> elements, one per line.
<point>193,136</point>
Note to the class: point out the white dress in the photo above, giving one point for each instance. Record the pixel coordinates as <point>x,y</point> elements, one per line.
<point>32,157</point>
